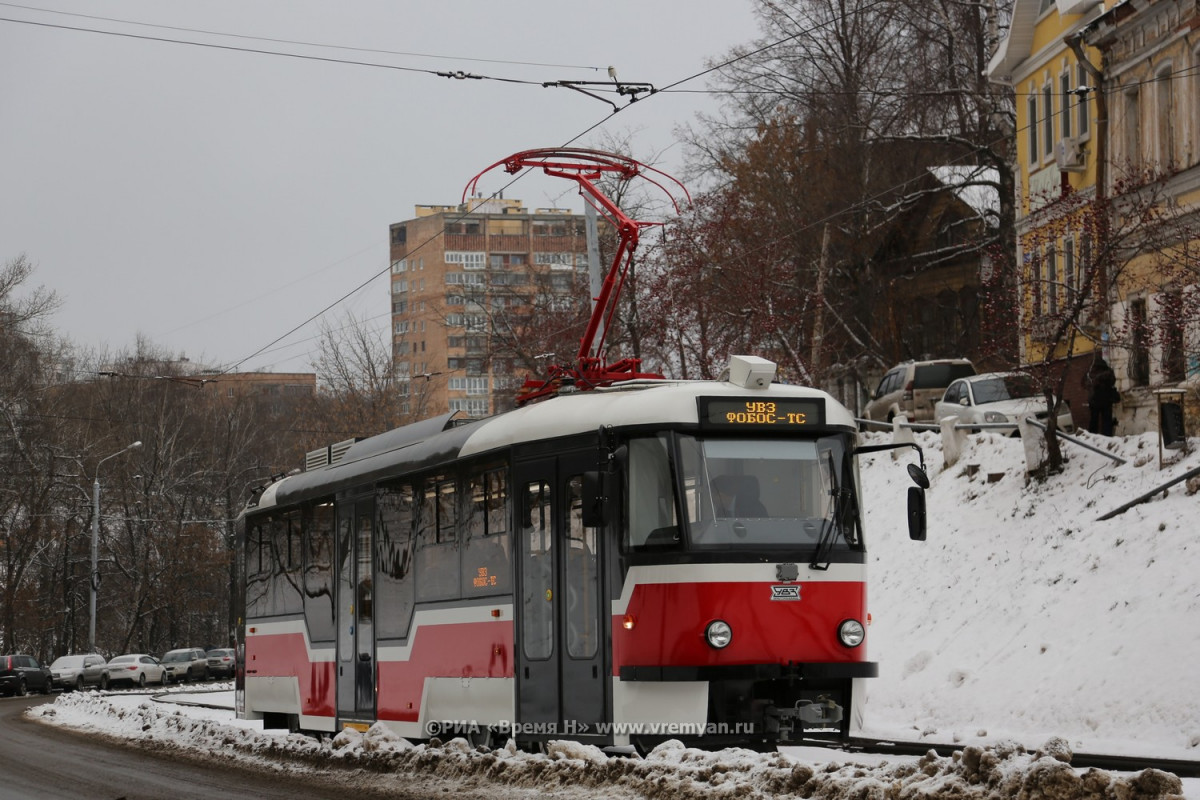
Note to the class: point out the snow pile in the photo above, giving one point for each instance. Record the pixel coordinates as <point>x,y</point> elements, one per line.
<point>670,771</point>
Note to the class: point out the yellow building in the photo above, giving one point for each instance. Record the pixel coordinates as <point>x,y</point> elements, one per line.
<point>1099,139</point>
<point>1151,57</point>
<point>470,285</point>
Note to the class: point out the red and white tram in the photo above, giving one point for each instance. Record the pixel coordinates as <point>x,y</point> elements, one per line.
<point>646,561</point>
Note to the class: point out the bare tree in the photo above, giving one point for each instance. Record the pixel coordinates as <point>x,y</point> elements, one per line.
<point>832,121</point>
<point>1089,255</point>
<point>362,393</point>
<point>30,532</point>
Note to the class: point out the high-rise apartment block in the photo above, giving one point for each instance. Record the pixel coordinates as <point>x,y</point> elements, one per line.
<point>467,282</point>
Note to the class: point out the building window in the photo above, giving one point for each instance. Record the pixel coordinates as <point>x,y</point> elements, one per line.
<point>399,266</point>
<point>1035,281</point>
<point>466,279</point>
<point>463,226</point>
<point>1165,116</point>
<point>1170,310</point>
<point>472,407</point>
<point>1139,344</point>
<point>556,260</point>
<point>1047,119</point>
<point>1069,277</point>
<point>1051,280</point>
<point>1131,128</point>
<point>399,287</point>
<point>1031,106</point>
<point>474,386</point>
<point>1064,87</point>
<point>468,260</point>
<point>1082,100</point>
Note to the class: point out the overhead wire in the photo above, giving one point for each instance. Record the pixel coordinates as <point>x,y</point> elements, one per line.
<point>273,40</point>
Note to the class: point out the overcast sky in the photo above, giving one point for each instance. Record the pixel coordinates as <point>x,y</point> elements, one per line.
<point>212,199</point>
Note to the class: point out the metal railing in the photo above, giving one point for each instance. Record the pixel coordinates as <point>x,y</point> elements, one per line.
<point>977,426</point>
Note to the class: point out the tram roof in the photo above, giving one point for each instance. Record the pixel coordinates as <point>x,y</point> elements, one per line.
<point>437,441</point>
<point>626,405</point>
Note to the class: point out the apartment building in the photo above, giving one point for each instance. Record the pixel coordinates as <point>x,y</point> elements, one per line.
<point>473,287</point>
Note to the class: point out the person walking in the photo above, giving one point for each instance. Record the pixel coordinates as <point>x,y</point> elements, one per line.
<point>1102,396</point>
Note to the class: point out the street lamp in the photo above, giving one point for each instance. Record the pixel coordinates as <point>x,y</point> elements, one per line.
<point>95,582</point>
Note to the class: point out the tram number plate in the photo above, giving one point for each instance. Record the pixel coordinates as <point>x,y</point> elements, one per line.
<point>791,592</point>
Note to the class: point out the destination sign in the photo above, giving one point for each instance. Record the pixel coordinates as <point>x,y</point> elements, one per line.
<point>787,412</point>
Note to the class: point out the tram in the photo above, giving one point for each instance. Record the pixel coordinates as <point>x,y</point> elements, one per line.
<point>650,560</point>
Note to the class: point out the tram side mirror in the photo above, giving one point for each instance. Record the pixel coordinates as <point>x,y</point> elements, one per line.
<point>595,498</point>
<point>916,513</point>
<point>918,475</point>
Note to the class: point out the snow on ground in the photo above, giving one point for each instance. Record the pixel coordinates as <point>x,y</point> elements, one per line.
<point>1022,630</point>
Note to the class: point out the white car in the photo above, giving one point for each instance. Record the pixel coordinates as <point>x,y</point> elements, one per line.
<point>998,397</point>
<point>137,668</point>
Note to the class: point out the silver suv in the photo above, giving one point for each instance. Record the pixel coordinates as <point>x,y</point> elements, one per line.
<point>186,664</point>
<point>913,387</point>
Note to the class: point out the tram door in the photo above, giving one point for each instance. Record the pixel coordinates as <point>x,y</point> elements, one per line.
<point>562,684</point>
<point>356,624</point>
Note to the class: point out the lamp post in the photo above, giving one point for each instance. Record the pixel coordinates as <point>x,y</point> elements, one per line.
<point>95,581</point>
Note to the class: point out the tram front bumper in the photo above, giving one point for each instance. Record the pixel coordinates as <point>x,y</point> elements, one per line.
<point>815,672</point>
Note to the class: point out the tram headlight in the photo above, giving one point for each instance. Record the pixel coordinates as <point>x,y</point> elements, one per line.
<point>718,633</point>
<point>851,633</point>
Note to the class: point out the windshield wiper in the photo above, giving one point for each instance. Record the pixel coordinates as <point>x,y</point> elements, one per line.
<point>833,524</point>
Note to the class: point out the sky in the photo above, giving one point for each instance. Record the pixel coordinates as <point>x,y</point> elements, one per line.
<point>211,200</point>
<point>1021,624</point>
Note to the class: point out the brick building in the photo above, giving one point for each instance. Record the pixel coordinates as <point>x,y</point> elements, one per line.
<point>468,284</point>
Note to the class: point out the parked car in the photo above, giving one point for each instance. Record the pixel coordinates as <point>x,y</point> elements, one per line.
<point>913,387</point>
<point>222,662</point>
<point>79,671</point>
<point>137,668</point>
<point>186,664</point>
<point>998,397</point>
<point>20,675</point>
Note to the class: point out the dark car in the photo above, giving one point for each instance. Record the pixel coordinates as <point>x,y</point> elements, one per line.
<point>222,662</point>
<point>80,671</point>
<point>20,675</point>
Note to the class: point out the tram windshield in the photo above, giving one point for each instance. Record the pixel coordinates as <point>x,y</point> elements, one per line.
<point>742,493</point>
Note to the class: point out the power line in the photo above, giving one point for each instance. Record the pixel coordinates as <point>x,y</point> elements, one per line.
<point>296,42</point>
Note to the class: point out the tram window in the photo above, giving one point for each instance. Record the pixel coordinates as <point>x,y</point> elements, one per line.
<point>582,583</point>
<point>286,595</point>
<point>792,484</point>
<point>364,605</point>
<point>486,567</point>
<point>318,572</point>
<point>651,509</point>
<point>292,556</point>
<point>437,546</point>
<point>394,592</point>
<point>441,511</point>
<point>257,566</point>
<point>537,570</point>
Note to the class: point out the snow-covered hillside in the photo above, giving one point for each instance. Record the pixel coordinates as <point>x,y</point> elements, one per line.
<point>1023,616</point>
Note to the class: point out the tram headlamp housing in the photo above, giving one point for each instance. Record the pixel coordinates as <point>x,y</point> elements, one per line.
<point>718,634</point>
<point>851,633</point>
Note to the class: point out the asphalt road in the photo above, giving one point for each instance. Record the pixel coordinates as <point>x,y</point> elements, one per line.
<point>48,762</point>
